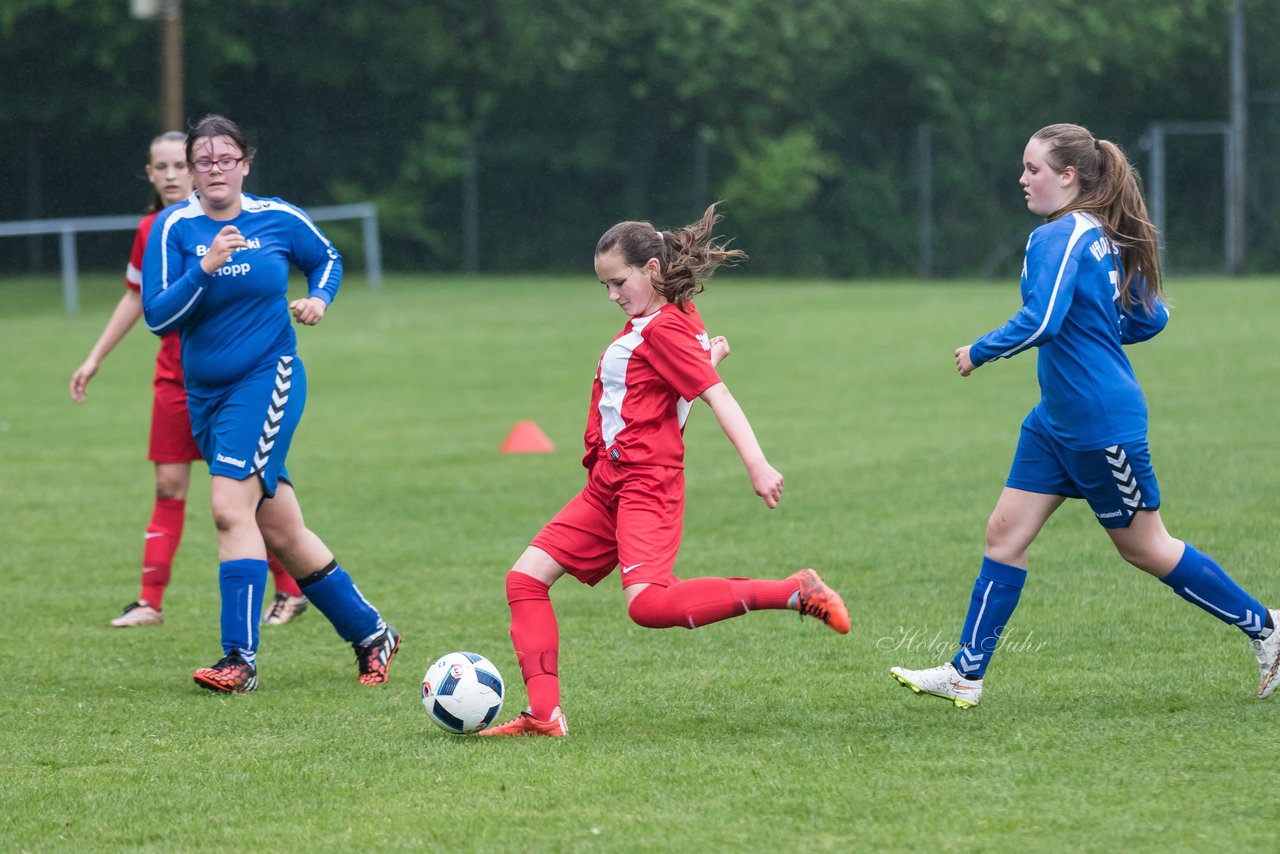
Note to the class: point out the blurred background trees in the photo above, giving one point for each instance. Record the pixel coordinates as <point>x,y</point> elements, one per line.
<point>505,135</point>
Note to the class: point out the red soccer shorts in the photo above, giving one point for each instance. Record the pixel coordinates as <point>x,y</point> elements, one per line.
<point>628,515</point>
<point>171,440</point>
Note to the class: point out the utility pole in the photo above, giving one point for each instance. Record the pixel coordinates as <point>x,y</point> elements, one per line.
<point>1236,142</point>
<point>170,12</point>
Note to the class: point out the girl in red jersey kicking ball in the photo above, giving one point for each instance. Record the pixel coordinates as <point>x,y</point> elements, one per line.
<point>632,508</point>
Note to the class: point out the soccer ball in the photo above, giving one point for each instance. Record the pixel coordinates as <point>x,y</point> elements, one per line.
<point>462,692</point>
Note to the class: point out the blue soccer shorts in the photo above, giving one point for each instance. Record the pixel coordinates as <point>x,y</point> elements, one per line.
<point>245,429</point>
<point>1117,481</point>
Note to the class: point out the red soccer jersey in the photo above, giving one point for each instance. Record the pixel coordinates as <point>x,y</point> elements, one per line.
<point>169,360</point>
<point>645,384</point>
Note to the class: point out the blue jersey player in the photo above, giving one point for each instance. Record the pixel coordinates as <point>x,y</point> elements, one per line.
<point>216,270</point>
<point>1090,284</point>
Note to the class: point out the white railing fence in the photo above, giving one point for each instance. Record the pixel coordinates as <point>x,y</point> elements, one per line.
<point>68,228</point>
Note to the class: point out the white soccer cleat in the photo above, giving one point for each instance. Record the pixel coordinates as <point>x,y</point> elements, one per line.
<point>138,614</point>
<point>283,609</point>
<point>943,681</point>
<point>1268,654</point>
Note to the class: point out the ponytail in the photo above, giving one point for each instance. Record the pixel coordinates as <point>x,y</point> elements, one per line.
<point>687,256</point>
<point>1110,190</point>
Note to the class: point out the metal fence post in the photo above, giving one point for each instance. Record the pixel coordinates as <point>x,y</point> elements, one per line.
<point>70,284</point>
<point>372,249</point>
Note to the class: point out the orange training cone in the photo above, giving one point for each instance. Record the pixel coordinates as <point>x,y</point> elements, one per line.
<point>527,438</point>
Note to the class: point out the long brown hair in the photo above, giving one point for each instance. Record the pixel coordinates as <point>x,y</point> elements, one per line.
<point>687,256</point>
<point>1109,189</point>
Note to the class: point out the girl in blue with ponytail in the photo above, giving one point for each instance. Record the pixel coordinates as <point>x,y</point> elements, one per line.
<point>1090,284</point>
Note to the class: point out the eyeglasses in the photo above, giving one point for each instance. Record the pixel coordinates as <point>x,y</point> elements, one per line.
<point>225,164</point>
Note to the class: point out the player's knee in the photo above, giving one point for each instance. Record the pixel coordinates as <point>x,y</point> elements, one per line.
<point>651,610</point>
<point>172,481</point>
<point>171,489</point>
<point>1136,557</point>
<point>229,515</point>
<point>998,532</point>
<point>522,586</point>
<point>1005,538</point>
<point>167,492</point>
<point>1148,557</point>
<point>277,540</point>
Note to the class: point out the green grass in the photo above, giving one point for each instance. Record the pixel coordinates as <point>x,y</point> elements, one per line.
<point>1127,721</point>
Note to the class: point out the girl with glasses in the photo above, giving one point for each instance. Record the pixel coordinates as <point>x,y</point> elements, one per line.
<point>216,270</point>
<point>172,448</point>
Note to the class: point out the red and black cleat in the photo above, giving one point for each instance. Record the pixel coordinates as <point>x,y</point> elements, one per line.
<point>231,675</point>
<point>374,658</point>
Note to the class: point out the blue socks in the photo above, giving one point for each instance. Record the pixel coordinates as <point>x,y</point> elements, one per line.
<point>1199,580</point>
<point>995,595</point>
<point>336,596</point>
<point>1196,578</point>
<point>242,583</point>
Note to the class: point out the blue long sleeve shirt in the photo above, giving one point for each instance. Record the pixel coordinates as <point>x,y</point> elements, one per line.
<point>1071,311</point>
<point>237,320</point>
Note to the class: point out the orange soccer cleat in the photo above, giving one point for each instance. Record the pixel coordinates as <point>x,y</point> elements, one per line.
<point>816,599</point>
<point>526,724</point>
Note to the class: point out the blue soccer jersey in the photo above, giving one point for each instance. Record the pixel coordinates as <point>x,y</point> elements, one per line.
<point>236,321</point>
<point>1071,311</point>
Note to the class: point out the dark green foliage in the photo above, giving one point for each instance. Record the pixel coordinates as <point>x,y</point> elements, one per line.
<point>802,116</point>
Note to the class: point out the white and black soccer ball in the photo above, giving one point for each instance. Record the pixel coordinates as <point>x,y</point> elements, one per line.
<point>462,692</point>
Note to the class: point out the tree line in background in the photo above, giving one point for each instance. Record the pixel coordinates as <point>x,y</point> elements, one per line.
<point>506,135</point>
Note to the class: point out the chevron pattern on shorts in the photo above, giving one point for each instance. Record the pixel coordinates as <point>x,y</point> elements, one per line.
<point>275,413</point>
<point>1125,480</point>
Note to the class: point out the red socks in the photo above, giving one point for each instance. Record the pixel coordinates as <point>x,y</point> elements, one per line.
<point>284,582</point>
<point>699,601</point>
<point>163,535</point>
<point>691,603</point>
<point>536,637</point>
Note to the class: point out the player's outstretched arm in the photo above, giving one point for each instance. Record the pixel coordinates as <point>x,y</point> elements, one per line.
<point>126,314</point>
<point>765,479</point>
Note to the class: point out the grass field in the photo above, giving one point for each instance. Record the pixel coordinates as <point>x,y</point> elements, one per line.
<point>1125,720</point>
